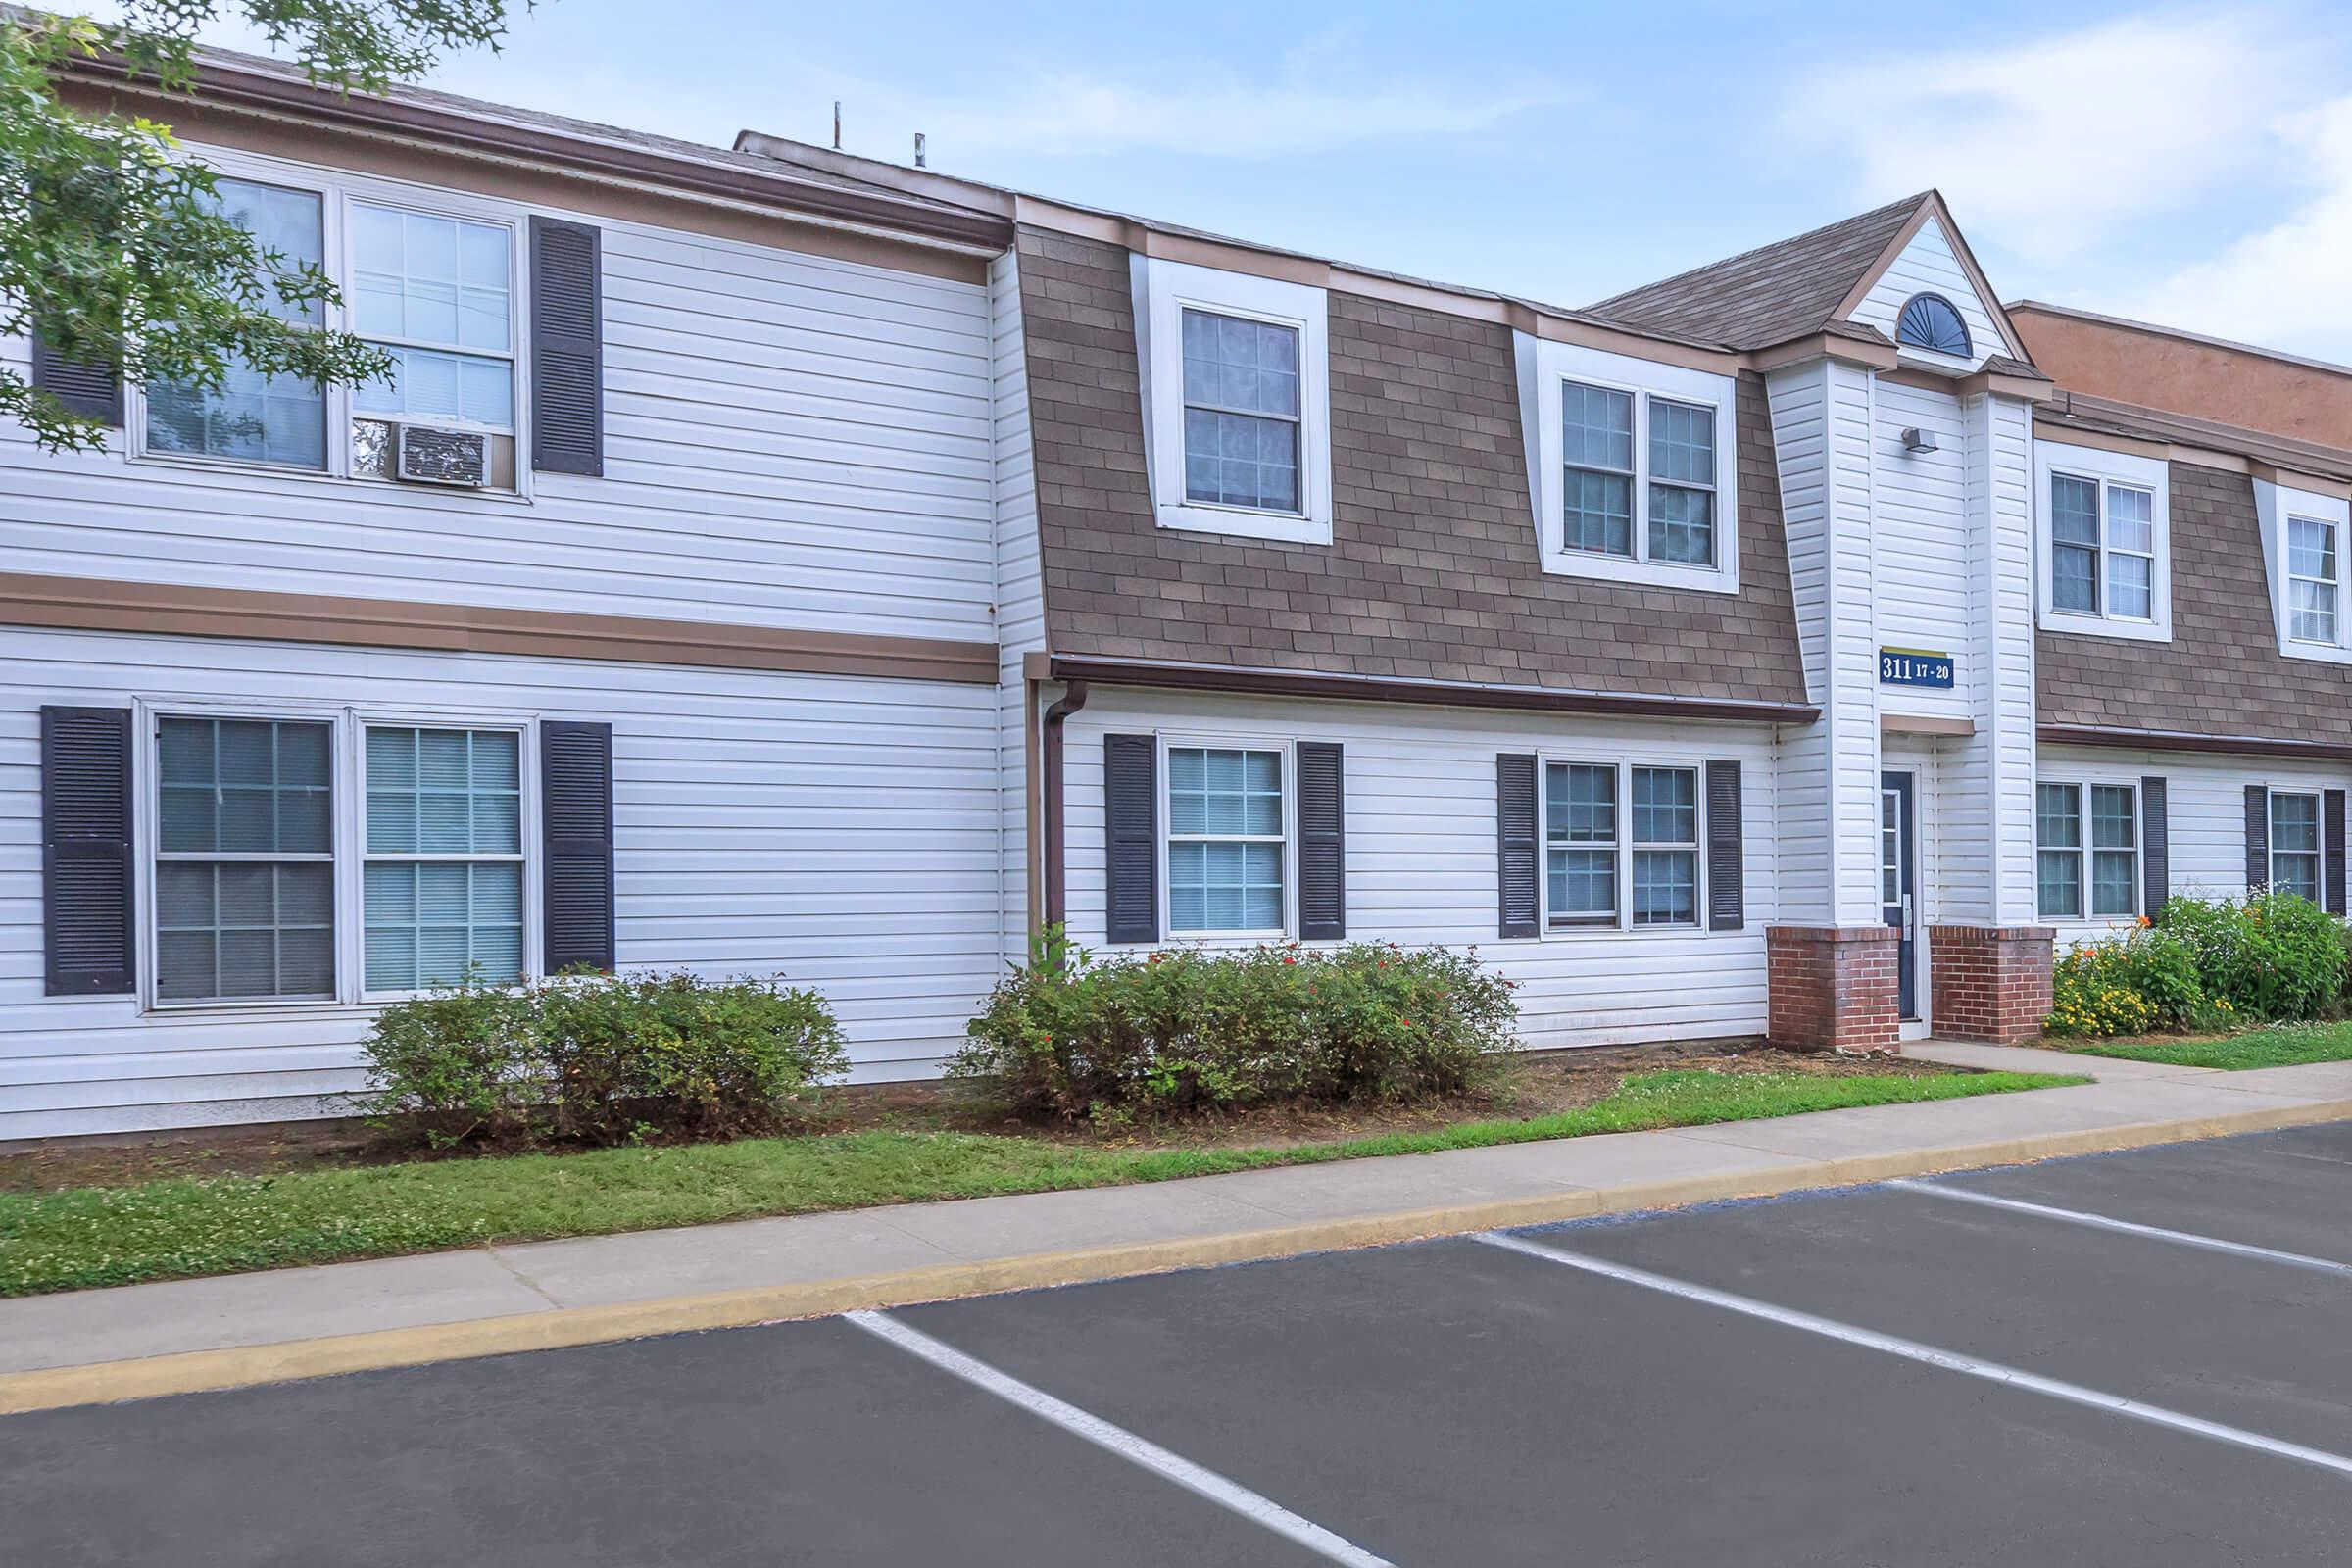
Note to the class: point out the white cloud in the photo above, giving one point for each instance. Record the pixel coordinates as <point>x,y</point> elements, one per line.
<point>2283,285</point>
<point>2056,143</point>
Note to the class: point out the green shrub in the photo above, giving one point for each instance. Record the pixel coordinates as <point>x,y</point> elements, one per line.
<point>2140,981</point>
<point>600,1059</point>
<point>2272,957</point>
<point>1190,1030</point>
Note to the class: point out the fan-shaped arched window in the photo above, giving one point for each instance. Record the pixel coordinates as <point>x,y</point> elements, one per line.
<point>1929,322</point>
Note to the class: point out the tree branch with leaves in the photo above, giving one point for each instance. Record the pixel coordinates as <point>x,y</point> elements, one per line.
<point>114,242</point>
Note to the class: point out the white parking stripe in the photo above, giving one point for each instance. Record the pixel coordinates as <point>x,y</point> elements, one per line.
<point>1119,1441</point>
<point>2072,1216</point>
<point>1913,1350</point>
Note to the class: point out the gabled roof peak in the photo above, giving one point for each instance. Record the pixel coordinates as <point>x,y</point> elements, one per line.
<point>1774,292</point>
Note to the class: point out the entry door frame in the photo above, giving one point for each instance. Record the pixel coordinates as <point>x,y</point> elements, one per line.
<point>1898,872</point>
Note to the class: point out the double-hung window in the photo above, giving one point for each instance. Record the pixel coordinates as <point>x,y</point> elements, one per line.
<point>436,290</point>
<point>1226,841</point>
<point>2296,844</point>
<point>255,885</point>
<point>2102,548</point>
<point>251,418</point>
<point>443,884</point>
<point>436,293</point>
<point>1632,466</point>
<point>1600,427</point>
<point>1242,422</point>
<point>2311,580</point>
<point>2107,839</point>
<point>245,862</point>
<point>1593,848</point>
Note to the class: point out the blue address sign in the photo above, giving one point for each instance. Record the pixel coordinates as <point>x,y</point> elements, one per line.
<point>1912,666</point>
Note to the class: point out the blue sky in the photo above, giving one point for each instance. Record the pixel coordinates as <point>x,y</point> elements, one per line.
<point>2186,164</point>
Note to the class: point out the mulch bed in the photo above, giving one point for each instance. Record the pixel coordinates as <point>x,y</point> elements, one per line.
<point>1537,1084</point>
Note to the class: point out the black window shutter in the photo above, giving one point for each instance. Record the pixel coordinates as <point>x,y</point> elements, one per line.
<point>1131,850</point>
<point>2332,819</point>
<point>85,849</point>
<point>568,347</point>
<point>1726,890</point>
<point>576,828</point>
<point>1515,841</point>
<point>2155,848</point>
<point>93,391</point>
<point>2258,838</point>
<point>1322,843</point>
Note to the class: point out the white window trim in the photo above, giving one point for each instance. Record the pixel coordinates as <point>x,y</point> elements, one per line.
<point>2106,469</point>
<point>1287,748</point>
<point>2086,782</point>
<point>348,838</point>
<point>1545,366</point>
<point>1163,290</point>
<point>2275,503</point>
<point>1580,926</point>
<point>337,190</point>
<point>2317,853</point>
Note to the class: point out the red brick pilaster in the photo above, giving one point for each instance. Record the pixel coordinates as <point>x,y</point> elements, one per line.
<point>1989,982</point>
<point>1833,987</point>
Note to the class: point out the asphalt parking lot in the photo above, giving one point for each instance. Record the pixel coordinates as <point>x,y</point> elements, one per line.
<point>2139,1358</point>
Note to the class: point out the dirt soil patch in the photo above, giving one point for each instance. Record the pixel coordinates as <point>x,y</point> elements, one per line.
<point>1537,1084</point>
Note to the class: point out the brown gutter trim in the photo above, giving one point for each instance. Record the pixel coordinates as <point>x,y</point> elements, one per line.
<point>1056,858</point>
<point>232,85</point>
<point>82,604</point>
<point>1375,689</point>
<point>2159,740</point>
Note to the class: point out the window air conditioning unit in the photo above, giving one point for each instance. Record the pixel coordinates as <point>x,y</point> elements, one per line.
<point>431,454</point>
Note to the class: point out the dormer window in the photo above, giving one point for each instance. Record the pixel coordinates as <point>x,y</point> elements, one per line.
<point>1236,401</point>
<point>2103,520</point>
<point>2303,543</point>
<point>1930,321</point>
<point>1631,467</point>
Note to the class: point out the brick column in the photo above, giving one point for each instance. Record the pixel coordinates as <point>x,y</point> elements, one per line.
<point>1833,987</point>
<point>1989,982</point>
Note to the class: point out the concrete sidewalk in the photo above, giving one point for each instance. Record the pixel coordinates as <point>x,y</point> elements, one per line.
<point>146,1339</point>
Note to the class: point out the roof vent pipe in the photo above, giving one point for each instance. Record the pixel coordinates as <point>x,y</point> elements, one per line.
<point>837,125</point>
<point>922,158</point>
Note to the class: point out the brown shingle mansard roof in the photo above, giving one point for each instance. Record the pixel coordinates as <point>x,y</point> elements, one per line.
<point>1771,294</point>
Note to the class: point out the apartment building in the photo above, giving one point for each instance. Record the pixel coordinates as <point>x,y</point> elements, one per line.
<point>767,559</point>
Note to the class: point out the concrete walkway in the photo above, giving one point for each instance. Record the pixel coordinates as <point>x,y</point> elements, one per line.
<point>144,1340</point>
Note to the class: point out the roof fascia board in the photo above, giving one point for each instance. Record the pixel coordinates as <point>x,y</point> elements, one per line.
<point>2056,431</point>
<point>234,86</point>
<point>1379,689</point>
<point>2165,740</point>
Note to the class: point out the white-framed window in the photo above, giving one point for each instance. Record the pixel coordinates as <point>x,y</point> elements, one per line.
<point>441,888</point>
<point>2102,520</point>
<point>2296,843</point>
<point>2311,580</point>
<point>2303,534</point>
<point>2086,850</point>
<point>434,277</point>
<point>1237,408</point>
<point>1631,466</point>
<point>318,854</point>
<point>1621,845</point>
<point>1227,848</point>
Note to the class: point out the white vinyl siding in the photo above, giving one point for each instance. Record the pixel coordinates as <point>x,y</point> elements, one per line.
<point>840,831</point>
<point>790,440</point>
<point>1421,855</point>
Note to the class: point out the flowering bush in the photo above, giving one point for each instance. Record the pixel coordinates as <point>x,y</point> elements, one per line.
<point>2272,957</point>
<point>2206,964</point>
<point>1188,1029</point>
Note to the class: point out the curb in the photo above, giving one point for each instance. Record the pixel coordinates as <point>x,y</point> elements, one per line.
<point>206,1371</point>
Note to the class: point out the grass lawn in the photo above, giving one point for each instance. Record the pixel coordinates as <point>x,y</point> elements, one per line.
<point>187,1226</point>
<point>2284,1046</point>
